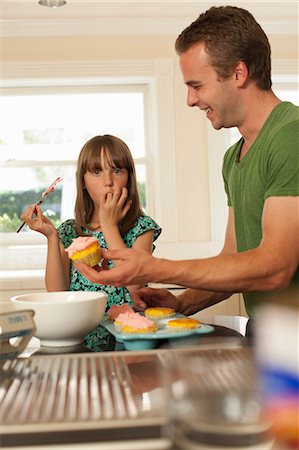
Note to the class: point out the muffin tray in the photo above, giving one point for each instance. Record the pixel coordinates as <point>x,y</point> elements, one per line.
<point>147,341</point>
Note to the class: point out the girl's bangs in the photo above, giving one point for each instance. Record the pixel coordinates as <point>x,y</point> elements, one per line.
<point>113,149</point>
<point>92,161</point>
<point>116,157</point>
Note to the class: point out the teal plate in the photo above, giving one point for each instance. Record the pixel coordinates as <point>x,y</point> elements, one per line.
<point>147,341</point>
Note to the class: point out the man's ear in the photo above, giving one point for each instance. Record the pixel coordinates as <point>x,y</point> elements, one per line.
<point>241,73</point>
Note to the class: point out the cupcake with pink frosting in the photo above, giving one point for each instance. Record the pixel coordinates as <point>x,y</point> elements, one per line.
<point>122,319</point>
<point>85,249</point>
<point>135,323</point>
<point>116,310</point>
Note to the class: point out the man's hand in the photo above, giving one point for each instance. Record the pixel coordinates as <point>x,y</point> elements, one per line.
<point>146,297</point>
<point>132,268</point>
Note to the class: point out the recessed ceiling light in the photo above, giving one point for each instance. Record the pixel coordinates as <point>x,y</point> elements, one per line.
<point>52,3</point>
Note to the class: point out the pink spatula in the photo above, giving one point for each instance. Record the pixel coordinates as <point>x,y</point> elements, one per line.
<point>44,194</point>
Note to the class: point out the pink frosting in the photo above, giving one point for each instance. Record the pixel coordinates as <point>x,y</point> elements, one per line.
<point>123,317</point>
<point>51,188</point>
<point>134,320</point>
<point>80,243</point>
<point>116,310</point>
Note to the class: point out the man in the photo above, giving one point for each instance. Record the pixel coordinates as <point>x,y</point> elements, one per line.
<point>225,61</point>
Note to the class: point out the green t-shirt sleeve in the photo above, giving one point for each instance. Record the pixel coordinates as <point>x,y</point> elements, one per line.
<point>283,164</point>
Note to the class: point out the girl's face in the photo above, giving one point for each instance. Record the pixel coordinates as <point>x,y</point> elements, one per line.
<point>104,180</point>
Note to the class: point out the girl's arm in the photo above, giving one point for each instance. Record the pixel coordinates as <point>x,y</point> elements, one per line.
<point>114,241</point>
<point>57,265</point>
<point>113,209</point>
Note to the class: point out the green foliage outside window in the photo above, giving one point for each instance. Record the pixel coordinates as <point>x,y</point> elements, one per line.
<point>12,204</point>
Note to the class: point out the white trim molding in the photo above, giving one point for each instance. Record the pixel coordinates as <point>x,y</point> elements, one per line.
<point>143,17</point>
<point>218,143</point>
<point>286,70</point>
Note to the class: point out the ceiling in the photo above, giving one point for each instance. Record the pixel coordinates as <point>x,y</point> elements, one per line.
<point>28,18</point>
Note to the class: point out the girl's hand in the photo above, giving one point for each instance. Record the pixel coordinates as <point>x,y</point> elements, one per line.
<point>113,207</point>
<point>36,221</point>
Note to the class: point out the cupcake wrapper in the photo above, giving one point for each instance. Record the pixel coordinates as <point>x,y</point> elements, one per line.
<point>181,329</point>
<point>92,259</point>
<point>130,330</point>
<point>161,317</point>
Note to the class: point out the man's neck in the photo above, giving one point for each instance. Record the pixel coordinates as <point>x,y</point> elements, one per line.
<point>260,106</point>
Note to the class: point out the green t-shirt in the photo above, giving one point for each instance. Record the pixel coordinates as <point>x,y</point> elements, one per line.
<point>270,168</point>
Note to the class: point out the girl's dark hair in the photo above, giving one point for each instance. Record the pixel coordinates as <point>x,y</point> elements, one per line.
<point>119,155</point>
<point>230,34</point>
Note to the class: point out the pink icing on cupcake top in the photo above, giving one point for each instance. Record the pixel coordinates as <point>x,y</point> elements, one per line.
<point>123,317</point>
<point>80,243</point>
<point>116,310</point>
<point>135,320</point>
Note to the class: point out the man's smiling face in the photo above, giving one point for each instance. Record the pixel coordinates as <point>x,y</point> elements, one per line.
<point>217,97</point>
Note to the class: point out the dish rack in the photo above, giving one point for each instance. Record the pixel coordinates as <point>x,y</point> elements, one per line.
<point>79,398</point>
<point>99,397</point>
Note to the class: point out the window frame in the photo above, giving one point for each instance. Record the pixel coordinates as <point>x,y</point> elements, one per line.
<point>157,78</point>
<point>66,88</point>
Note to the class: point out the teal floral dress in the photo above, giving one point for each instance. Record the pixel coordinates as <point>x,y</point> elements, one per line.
<point>97,339</point>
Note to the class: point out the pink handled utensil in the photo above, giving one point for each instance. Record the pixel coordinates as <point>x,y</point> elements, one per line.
<point>51,188</point>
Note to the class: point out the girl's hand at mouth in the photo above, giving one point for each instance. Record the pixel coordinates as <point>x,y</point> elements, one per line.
<point>113,207</point>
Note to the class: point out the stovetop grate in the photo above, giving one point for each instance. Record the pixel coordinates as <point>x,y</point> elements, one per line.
<point>97,397</point>
<point>55,389</point>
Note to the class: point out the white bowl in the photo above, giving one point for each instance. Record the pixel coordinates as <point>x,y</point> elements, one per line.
<point>63,318</point>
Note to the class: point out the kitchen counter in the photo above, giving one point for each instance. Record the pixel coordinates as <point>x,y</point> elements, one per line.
<point>109,401</point>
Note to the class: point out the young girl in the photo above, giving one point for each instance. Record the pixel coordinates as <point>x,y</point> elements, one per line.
<point>108,208</point>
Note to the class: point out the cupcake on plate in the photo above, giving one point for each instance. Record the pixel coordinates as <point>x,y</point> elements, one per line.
<point>85,249</point>
<point>137,324</point>
<point>183,324</point>
<point>159,312</point>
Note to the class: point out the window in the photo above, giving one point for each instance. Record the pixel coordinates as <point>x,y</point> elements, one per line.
<point>43,131</point>
<point>150,82</point>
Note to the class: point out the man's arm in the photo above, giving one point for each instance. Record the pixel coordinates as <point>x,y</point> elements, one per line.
<point>189,302</point>
<point>194,300</point>
<point>268,267</point>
